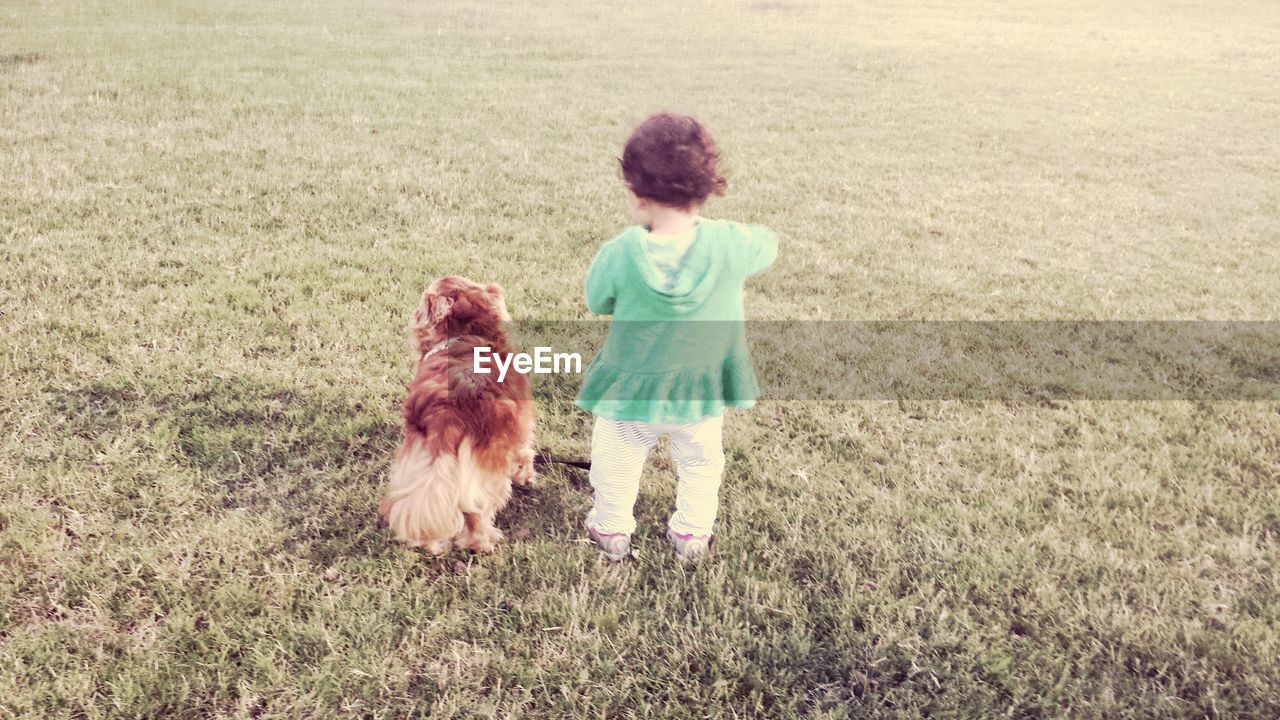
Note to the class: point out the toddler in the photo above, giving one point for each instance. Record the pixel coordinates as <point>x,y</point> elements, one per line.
<point>676,354</point>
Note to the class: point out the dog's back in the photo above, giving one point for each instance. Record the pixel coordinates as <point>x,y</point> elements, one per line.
<point>448,403</point>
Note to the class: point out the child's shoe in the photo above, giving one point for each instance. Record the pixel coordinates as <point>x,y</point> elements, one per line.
<point>615,546</point>
<point>689,547</point>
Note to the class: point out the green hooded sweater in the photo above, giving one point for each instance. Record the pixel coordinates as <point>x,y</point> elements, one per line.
<point>676,350</point>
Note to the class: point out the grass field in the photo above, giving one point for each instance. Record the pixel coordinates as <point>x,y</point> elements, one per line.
<point>215,219</point>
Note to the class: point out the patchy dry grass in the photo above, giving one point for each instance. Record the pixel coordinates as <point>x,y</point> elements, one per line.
<point>215,218</point>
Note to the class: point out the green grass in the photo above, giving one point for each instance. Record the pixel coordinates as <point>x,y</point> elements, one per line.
<point>215,219</point>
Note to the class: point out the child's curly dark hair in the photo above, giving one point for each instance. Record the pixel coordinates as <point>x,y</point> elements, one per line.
<point>671,159</point>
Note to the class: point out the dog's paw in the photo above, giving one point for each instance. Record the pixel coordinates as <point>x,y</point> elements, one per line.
<point>524,475</point>
<point>435,547</point>
<point>481,541</point>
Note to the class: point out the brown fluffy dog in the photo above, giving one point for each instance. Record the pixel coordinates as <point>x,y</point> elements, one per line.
<point>467,437</point>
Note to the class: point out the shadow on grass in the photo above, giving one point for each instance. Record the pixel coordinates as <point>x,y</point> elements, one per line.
<point>540,511</point>
<point>313,459</point>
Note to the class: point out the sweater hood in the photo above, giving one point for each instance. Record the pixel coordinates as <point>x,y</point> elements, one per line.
<point>693,281</point>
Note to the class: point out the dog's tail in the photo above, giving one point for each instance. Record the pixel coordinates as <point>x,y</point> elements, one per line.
<point>422,503</point>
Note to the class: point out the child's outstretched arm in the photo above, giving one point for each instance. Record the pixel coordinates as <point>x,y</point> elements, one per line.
<point>601,291</point>
<point>759,248</point>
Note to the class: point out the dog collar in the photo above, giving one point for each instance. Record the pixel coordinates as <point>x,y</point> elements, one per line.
<point>442,345</point>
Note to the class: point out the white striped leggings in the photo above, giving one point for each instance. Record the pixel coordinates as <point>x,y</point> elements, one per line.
<point>618,452</point>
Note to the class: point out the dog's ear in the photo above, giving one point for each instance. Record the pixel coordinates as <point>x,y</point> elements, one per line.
<point>438,307</point>
<point>499,300</point>
<point>432,311</point>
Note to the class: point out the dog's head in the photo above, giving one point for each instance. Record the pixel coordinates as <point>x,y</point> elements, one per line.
<point>454,306</point>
